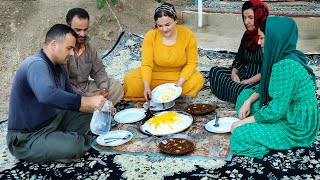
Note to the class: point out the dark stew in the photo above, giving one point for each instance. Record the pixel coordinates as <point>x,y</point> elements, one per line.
<point>177,146</point>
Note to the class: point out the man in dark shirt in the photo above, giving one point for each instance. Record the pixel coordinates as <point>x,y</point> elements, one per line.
<point>44,119</point>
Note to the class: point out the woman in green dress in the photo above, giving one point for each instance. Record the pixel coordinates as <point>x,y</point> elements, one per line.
<point>282,113</point>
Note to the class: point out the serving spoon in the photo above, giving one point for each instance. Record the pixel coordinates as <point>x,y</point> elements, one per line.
<point>148,113</point>
<point>216,122</point>
<point>156,139</point>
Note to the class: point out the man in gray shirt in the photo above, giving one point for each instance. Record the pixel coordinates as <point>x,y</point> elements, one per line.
<point>86,62</point>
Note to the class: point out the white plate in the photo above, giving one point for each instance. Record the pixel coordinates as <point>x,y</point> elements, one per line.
<point>185,121</point>
<point>165,93</point>
<point>102,139</point>
<point>158,106</point>
<point>130,115</point>
<point>225,124</point>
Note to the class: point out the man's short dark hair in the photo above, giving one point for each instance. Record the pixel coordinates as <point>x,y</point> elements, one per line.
<point>58,32</point>
<point>81,13</point>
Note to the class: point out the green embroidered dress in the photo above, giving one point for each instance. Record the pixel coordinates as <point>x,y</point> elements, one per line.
<point>290,117</point>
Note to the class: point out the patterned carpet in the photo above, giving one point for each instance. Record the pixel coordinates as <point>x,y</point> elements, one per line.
<point>208,145</point>
<point>298,163</point>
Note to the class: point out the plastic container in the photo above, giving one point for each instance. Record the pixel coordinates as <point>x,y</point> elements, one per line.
<point>101,120</point>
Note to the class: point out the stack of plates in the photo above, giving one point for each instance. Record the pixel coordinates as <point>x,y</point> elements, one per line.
<point>158,106</point>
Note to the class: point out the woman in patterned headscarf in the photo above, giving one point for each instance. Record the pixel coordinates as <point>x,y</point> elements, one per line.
<point>227,83</point>
<point>169,55</point>
<point>282,112</point>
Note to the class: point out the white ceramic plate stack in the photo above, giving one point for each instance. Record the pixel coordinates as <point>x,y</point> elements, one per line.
<point>158,106</point>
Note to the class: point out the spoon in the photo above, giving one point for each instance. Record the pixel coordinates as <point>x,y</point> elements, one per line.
<point>216,122</point>
<point>108,140</point>
<point>156,139</point>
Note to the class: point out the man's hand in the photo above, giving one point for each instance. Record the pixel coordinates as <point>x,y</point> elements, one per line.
<point>88,104</point>
<point>103,92</point>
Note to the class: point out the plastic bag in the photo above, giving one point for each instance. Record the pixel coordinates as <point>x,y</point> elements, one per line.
<point>101,120</point>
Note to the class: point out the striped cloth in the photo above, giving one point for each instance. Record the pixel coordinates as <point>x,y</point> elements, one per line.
<point>248,64</point>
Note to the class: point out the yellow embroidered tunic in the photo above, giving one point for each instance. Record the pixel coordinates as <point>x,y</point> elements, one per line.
<point>165,64</point>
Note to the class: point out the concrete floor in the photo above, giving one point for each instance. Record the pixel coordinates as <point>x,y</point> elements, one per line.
<point>225,31</point>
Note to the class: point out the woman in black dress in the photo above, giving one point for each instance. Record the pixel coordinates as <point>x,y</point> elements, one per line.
<point>227,83</point>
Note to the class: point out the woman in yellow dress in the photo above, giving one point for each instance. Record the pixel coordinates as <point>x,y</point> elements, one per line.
<point>169,55</point>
